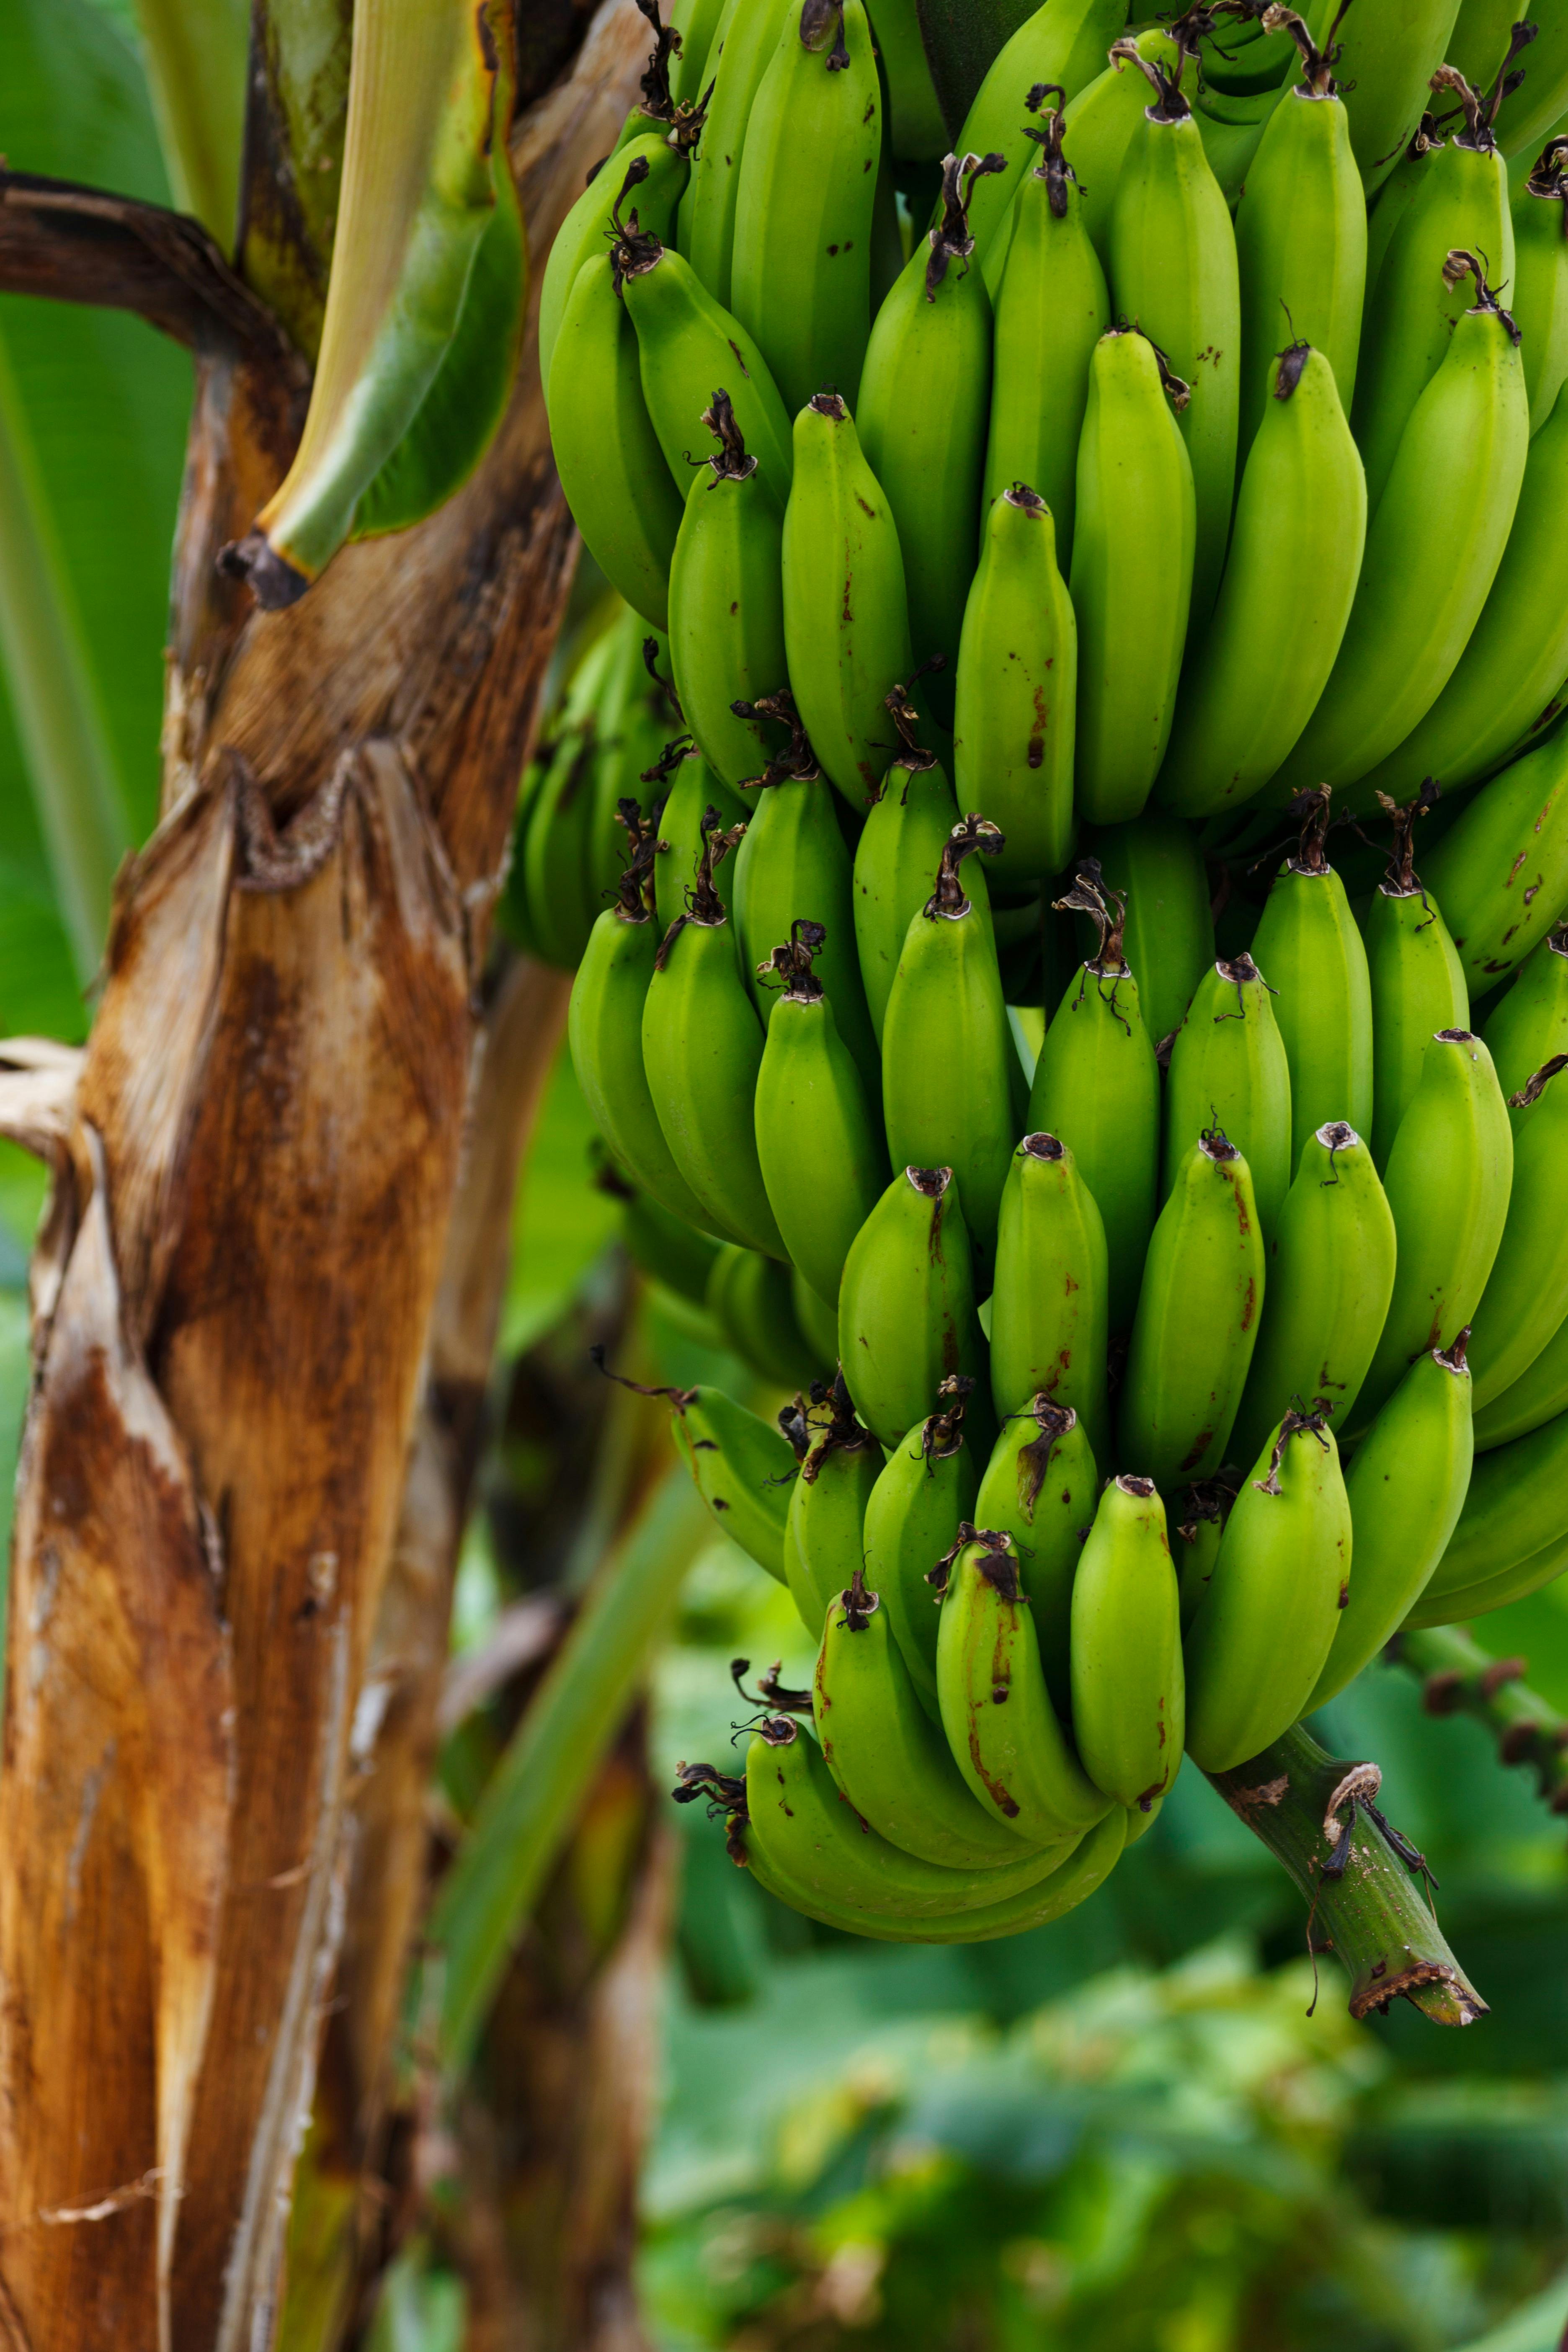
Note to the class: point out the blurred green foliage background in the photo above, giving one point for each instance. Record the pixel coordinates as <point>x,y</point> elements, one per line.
<point>1142,2127</point>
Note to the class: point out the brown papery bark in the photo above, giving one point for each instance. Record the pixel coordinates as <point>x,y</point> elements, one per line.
<point>253,1201</point>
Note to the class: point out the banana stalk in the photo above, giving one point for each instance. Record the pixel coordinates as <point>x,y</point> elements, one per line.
<point>425,303</point>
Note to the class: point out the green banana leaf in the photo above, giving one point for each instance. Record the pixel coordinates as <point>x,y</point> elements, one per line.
<point>102,402</point>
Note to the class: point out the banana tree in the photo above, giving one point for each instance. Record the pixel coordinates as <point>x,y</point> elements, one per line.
<point>265,1289</point>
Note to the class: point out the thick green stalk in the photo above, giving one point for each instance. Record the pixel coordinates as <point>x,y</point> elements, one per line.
<point>1458,1677</point>
<point>963,39</point>
<point>81,812</point>
<point>1370,1911</point>
<point>197,53</point>
<point>532,1801</point>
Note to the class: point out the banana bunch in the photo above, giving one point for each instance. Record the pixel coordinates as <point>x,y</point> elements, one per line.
<point>1081,993</point>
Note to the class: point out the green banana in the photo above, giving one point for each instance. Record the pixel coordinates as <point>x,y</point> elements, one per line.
<point>948,1064</point>
<point>819,1145</point>
<point>906,830</point>
<point>666,104</point>
<point>1156,865</point>
<point>889,1759</point>
<point>749,1298</point>
<point>1229,1069</point>
<point>1248,59</point>
<point>1501,873</point>
<point>1231,128</point>
<point>1039,1488</point>
<point>1516,1507</point>
<point>678,1257</point>
<point>1289,578</point>
<point>1173,267</point>
<point>1398,193</point>
<point>605,449</point>
<point>1329,1283</point>
<point>907,1314</point>
<point>800,275</point>
<point>604,1032</point>
<point>697,22</point>
<point>1099,123</point>
<point>1048,1308</point>
<point>658,172</point>
<point>554,845</point>
<point>1197,1324</point>
<point>1406,1487</point>
<point>726,601</point>
<point>702,1047</point>
<point>1447,1180</point>
<point>1097,1085</point>
<point>687,342</point>
<point>1062,45</point>
<point>798,1845</point>
<point>1539,295</point>
<point>1052,307</point>
<point>741,50</point>
<point>995,1708</point>
<point>1517,656</point>
<point>1538,1396</point>
<point>1132,577</point>
<point>1129,1692</point>
<point>846,610</point>
<point>917,1506</point>
<point>1412,307</point>
<point>801,1824</point>
<point>1433,548</point>
<point>1516,1582</point>
<point>1417,980</point>
<point>818,1321</point>
<point>794,866</point>
<point>634,718</point>
<point>1308,938</point>
<point>1013,725</point>
<point>744,1470</point>
<point>1528,1023</point>
<point>1384,63</point>
<point>1259,1641</point>
<point>1526,1297</point>
<point>916,131</point>
<point>823,1548</point>
<point>925,395</point>
<point>695,795</point>
<point>1301,237</point>
<point>1543,96</point>
<point>1205,1508</point>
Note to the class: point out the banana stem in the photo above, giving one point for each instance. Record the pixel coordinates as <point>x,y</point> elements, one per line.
<point>1317,1815</point>
<point>1458,1677</point>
